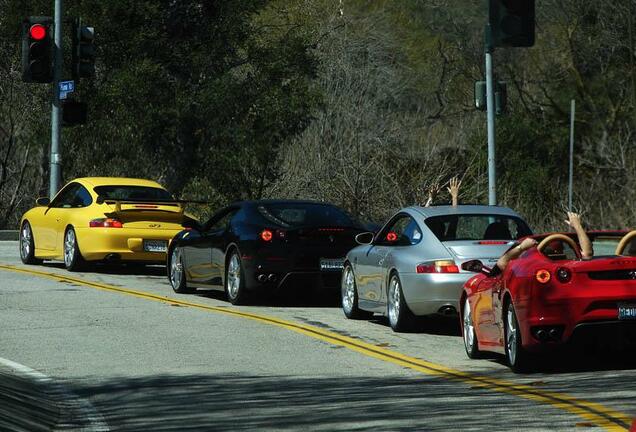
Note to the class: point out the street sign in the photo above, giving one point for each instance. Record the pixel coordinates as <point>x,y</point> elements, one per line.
<point>66,87</point>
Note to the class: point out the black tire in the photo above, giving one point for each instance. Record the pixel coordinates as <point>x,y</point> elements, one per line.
<point>401,318</point>
<point>73,260</point>
<point>471,344</point>
<point>176,273</point>
<point>27,245</point>
<point>517,357</point>
<point>349,296</point>
<point>235,280</point>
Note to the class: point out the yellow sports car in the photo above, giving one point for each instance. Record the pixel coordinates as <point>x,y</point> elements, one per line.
<point>102,219</point>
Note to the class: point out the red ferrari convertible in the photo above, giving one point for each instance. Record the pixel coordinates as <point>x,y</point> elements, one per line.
<point>549,296</point>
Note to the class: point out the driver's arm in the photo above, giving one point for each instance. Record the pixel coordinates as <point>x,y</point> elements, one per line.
<point>574,221</point>
<point>514,253</point>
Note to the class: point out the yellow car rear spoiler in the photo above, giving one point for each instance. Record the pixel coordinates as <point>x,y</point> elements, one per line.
<point>173,202</point>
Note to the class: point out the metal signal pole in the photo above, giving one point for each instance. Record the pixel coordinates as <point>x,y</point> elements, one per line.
<point>571,176</point>
<point>490,112</point>
<point>56,159</point>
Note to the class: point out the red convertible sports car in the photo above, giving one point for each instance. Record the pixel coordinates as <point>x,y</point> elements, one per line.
<point>550,297</point>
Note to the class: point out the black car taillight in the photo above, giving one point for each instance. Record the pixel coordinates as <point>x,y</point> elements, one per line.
<point>267,235</point>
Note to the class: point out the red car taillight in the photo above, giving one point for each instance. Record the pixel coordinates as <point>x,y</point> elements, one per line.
<point>543,276</point>
<point>105,223</point>
<point>438,267</point>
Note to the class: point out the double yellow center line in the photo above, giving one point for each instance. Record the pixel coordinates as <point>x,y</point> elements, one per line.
<point>594,413</point>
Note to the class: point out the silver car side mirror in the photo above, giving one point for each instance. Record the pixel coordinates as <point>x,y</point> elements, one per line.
<point>365,238</point>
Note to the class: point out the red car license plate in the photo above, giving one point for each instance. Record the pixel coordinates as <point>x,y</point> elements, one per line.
<point>627,311</point>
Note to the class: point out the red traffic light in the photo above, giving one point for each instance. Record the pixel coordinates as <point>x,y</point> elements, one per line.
<point>37,32</point>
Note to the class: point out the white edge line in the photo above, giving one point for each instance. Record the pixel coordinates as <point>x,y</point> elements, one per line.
<point>86,408</point>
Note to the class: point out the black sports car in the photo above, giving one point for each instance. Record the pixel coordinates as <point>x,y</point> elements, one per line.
<point>263,245</point>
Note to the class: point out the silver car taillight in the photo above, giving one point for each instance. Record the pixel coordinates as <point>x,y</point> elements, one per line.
<point>445,266</point>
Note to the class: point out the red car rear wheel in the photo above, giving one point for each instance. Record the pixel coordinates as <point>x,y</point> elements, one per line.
<point>518,358</point>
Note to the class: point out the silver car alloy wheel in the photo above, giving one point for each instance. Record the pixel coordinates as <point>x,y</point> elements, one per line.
<point>69,247</point>
<point>25,241</point>
<point>176,268</point>
<point>469,331</point>
<point>348,290</point>
<point>511,334</point>
<point>234,276</point>
<point>394,300</point>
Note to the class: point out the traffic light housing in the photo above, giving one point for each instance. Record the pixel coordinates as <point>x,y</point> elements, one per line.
<point>73,112</point>
<point>501,96</point>
<point>512,23</point>
<point>37,49</point>
<point>83,58</point>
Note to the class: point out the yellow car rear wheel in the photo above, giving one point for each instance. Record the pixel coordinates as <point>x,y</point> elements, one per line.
<point>73,260</point>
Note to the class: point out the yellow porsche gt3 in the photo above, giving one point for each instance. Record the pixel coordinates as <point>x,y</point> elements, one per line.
<point>102,219</point>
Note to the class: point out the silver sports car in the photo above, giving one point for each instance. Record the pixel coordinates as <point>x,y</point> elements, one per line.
<point>412,266</point>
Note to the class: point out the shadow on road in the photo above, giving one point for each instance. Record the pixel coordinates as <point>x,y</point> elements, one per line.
<point>236,403</point>
<point>116,269</point>
<point>435,325</point>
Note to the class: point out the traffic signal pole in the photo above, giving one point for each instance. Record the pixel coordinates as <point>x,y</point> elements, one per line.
<point>56,111</point>
<point>490,112</point>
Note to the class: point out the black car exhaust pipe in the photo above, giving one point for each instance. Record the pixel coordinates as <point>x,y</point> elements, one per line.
<point>554,334</point>
<point>261,278</point>
<point>542,335</point>
<point>272,277</point>
<point>112,257</point>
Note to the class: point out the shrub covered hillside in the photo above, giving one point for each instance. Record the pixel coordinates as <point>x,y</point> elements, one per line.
<point>367,104</point>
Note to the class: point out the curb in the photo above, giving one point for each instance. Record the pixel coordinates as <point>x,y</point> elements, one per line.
<point>11,235</point>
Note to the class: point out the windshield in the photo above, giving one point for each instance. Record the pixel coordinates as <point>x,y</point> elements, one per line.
<point>132,193</point>
<point>477,227</point>
<point>292,215</point>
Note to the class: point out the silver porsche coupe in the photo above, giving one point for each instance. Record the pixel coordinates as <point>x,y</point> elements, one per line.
<point>412,266</point>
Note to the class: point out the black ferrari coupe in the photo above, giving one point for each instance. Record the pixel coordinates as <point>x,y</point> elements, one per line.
<point>263,245</point>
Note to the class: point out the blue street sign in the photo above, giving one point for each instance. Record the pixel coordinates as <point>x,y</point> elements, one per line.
<point>66,87</point>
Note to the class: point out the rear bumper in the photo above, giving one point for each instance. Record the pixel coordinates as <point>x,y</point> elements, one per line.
<point>262,274</point>
<point>428,294</point>
<point>575,321</point>
<point>125,244</point>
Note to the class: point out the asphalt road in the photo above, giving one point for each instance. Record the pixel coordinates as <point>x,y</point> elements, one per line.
<point>120,355</point>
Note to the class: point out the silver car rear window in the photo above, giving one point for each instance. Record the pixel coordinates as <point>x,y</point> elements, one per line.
<point>477,227</point>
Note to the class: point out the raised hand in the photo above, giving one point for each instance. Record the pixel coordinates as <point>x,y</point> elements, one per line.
<point>453,189</point>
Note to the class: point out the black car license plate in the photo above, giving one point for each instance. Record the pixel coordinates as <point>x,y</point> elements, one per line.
<point>627,311</point>
<point>331,264</point>
<point>155,245</point>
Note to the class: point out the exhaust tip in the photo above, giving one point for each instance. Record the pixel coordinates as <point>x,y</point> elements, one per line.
<point>272,277</point>
<point>554,334</point>
<point>447,310</point>
<point>261,278</point>
<point>112,257</point>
